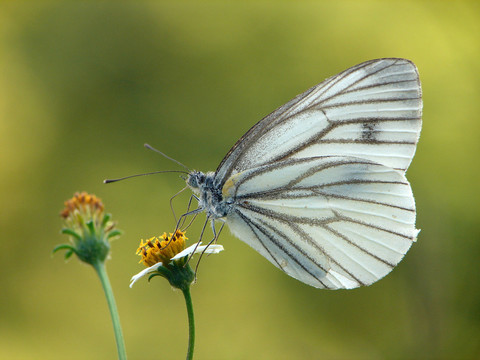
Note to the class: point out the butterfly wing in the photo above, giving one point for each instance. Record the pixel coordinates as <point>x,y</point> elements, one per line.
<point>331,222</point>
<point>318,186</point>
<point>371,111</point>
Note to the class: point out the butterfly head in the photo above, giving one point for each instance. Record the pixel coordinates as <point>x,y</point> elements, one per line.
<point>196,180</point>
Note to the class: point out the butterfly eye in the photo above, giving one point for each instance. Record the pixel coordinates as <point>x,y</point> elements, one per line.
<point>192,181</point>
<point>195,179</point>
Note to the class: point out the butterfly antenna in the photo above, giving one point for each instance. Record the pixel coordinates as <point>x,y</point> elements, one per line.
<point>108,181</point>
<point>149,147</point>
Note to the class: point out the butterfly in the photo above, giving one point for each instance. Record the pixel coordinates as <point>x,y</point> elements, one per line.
<point>318,187</point>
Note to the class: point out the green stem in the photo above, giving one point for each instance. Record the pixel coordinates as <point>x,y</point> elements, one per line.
<point>117,328</point>
<point>191,322</point>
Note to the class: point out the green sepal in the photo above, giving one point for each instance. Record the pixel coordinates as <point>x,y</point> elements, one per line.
<point>90,226</point>
<point>72,233</point>
<point>70,249</point>
<point>153,275</point>
<point>114,233</point>
<point>105,219</point>
<point>161,271</point>
<point>181,276</point>
<point>68,254</point>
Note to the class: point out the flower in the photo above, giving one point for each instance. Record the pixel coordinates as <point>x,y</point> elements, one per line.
<point>89,228</point>
<point>167,256</point>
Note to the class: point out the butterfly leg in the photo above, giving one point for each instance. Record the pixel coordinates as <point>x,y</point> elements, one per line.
<point>215,237</point>
<point>184,217</point>
<point>171,202</point>
<point>199,240</point>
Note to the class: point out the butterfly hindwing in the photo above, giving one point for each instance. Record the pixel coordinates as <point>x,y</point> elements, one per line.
<point>331,222</point>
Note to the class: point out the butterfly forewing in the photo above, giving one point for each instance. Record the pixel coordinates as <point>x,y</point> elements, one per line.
<point>371,111</point>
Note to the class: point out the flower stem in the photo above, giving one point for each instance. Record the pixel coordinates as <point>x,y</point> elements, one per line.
<point>107,288</point>
<point>191,322</point>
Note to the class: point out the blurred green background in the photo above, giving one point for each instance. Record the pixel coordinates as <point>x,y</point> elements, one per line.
<point>83,86</point>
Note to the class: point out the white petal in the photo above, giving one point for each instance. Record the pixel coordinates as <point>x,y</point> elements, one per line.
<point>197,248</point>
<point>186,251</point>
<point>212,249</point>
<point>144,272</point>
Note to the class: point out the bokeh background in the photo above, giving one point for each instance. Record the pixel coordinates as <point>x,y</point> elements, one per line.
<point>83,86</point>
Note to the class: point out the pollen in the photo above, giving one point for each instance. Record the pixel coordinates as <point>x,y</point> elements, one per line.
<point>161,249</point>
<point>83,203</point>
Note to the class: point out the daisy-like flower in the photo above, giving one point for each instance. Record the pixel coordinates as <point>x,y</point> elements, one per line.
<point>89,228</point>
<point>167,256</point>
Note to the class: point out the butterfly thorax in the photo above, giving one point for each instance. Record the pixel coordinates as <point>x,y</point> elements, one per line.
<point>210,195</point>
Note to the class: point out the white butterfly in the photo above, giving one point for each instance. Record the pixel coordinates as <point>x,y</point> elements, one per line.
<point>318,186</point>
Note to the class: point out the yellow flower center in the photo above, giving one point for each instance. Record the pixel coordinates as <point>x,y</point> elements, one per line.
<point>84,203</point>
<point>162,249</point>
